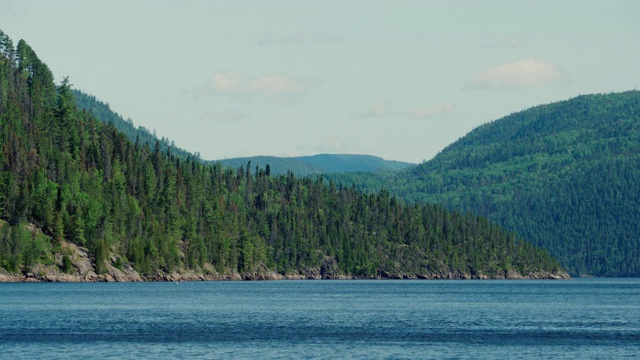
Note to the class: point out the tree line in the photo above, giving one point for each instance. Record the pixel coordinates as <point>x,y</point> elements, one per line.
<point>82,181</point>
<point>564,175</point>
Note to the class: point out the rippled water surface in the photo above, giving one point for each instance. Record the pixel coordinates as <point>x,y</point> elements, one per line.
<point>582,318</point>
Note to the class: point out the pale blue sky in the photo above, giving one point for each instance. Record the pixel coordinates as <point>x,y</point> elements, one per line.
<point>396,79</point>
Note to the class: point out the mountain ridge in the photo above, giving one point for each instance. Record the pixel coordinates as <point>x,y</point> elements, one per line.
<point>319,163</point>
<point>299,165</point>
<point>564,175</point>
<point>67,178</point>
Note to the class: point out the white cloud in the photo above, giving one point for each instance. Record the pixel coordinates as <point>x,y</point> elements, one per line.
<point>378,109</point>
<point>301,39</point>
<point>291,153</point>
<point>432,111</point>
<point>330,145</point>
<point>275,87</point>
<point>225,83</point>
<point>526,73</point>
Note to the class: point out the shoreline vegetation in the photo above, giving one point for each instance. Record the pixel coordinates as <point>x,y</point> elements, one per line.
<point>79,201</point>
<point>562,175</point>
<point>81,269</point>
<point>272,276</point>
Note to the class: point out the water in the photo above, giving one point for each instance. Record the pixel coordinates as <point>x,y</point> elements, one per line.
<point>582,318</point>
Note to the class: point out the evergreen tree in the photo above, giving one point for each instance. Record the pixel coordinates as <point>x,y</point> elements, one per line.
<point>80,180</point>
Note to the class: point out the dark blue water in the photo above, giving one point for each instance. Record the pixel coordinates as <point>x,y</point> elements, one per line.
<point>592,318</point>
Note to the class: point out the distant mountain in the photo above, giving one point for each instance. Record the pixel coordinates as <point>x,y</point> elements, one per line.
<point>301,165</point>
<point>564,175</point>
<point>319,164</point>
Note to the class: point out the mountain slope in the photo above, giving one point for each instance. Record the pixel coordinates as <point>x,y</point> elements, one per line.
<point>66,178</point>
<point>320,164</point>
<point>565,175</point>
<point>300,166</point>
<point>102,111</point>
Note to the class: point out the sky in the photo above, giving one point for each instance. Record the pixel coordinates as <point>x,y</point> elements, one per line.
<point>392,78</point>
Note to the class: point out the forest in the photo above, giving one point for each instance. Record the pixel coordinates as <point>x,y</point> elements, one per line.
<point>299,165</point>
<point>66,177</point>
<point>564,175</point>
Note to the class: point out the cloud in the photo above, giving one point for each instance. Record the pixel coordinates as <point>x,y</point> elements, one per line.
<point>225,83</point>
<point>330,145</point>
<point>378,109</point>
<point>274,87</point>
<point>521,74</point>
<point>433,111</point>
<point>300,39</point>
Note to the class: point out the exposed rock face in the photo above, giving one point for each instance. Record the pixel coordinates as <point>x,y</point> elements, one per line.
<point>329,268</point>
<point>119,276</point>
<point>127,273</point>
<point>83,270</point>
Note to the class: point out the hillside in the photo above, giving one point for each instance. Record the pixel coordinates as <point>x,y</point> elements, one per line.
<point>299,165</point>
<point>565,175</point>
<point>320,164</point>
<point>102,111</point>
<point>75,191</point>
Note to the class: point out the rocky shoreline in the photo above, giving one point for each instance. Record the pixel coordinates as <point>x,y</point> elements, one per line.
<point>84,271</point>
<point>190,276</point>
<point>122,276</point>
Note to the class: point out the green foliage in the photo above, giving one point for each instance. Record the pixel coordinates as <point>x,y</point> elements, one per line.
<point>141,135</point>
<point>565,176</point>
<point>319,164</point>
<point>66,264</point>
<point>22,247</point>
<point>301,166</point>
<point>84,181</point>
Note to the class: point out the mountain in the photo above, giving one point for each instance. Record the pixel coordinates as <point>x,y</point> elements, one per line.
<point>564,175</point>
<point>102,111</point>
<point>78,198</point>
<point>320,164</point>
<point>300,166</point>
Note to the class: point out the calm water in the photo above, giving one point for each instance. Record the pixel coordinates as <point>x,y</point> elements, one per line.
<point>592,318</point>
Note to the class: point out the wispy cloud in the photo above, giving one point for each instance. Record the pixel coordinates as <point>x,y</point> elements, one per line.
<point>330,145</point>
<point>521,74</point>
<point>376,110</point>
<point>300,39</point>
<point>225,83</point>
<point>433,111</point>
<point>275,87</point>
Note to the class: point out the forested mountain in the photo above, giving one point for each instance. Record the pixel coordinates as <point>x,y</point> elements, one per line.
<point>67,178</point>
<point>320,164</point>
<point>565,175</point>
<point>299,165</point>
<point>102,111</point>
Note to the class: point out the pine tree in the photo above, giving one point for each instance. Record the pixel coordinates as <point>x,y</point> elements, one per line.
<point>58,228</point>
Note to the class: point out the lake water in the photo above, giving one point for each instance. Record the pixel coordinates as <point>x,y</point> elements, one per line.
<point>581,318</point>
